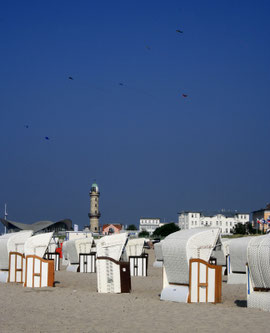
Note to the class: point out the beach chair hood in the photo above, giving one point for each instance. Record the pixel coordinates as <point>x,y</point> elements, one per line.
<point>134,247</point>
<point>238,253</point>
<point>13,242</point>
<point>38,244</point>
<point>179,247</point>
<point>111,246</point>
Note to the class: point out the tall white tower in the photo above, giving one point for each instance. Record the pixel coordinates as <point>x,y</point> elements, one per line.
<point>94,214</point>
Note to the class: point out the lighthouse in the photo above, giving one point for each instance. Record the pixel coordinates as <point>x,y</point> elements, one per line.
<point>94,213</point>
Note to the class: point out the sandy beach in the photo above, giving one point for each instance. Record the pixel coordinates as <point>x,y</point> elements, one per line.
<point>75,306</point>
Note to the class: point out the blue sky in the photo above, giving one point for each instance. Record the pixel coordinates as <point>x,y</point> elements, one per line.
<point>152,151</point>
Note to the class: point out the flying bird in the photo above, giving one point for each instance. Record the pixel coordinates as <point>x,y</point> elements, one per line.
<point>121,83</point>
<point>70,78</point>
<point>47,138</point>
<point>179,31</point>
<point>184,95</point>
<point>26,126</point>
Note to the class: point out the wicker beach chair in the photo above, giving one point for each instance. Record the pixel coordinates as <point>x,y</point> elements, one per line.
<point>138,260</point>
<point>113,275</point>
<point>258,273</point>
<point>73,248</point>
<point>237,260</point>
<point>187,274</point>
<point>39,272</point>
<point>11,247</point>
<point>158,255</point>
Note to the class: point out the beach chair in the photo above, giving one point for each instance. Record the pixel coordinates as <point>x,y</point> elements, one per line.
<point>113,275</point>
<point>51,253</point>
<point>138,260</point>
<point>220,254</point>
<point>65,260</point>
<point>187,274</point>
<point>12,243</point>
<point>237,260</point>
<point>158,255</point>
<point>39,272</point>
<point>258,273</point>
<point>73,249</point>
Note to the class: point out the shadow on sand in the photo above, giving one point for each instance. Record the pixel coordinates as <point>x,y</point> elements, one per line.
<point>241,303</point>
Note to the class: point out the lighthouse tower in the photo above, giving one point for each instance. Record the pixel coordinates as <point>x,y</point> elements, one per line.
<point>94,214</point>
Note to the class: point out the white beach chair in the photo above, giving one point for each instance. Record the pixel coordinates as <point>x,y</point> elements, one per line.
<point>258,273</point>
<point>65,260</point>
<point>138,260</point>
<point>113,276</point>
<point>187,274</point>
<point>73,249</point>
<point>39,272</point>
<point>51,253</point>
<point>158,255</point>
<point>12,243</point>
<point>237,260</point>
<point>220,254</point>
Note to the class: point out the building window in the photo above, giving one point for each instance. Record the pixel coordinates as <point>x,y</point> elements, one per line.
<point>216,222</point>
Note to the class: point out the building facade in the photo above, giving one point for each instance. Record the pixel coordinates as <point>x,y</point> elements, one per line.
<point>261,214</point>
<point>149,224</point>
<point>223,220</point>
<point>94,213</point>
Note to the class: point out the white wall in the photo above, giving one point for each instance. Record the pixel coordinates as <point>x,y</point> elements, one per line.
<point>189,220</point>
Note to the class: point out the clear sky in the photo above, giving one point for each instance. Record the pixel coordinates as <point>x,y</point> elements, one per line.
<point>152,151</point>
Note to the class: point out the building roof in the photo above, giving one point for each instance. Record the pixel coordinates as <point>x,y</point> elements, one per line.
<point>118,226</point>
<point>37,226</point>
<point>214,213</point>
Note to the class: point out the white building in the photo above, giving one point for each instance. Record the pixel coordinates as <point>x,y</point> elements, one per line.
<point>224,220</point>
<point>149,224</point>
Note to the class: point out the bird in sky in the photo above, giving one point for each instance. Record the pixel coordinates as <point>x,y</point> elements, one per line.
<point>179,31</point>
<point>26,126</point>
<point>185,95</point>
<point>47,138</point>
<point>121,83</point>
<point>70,78</point>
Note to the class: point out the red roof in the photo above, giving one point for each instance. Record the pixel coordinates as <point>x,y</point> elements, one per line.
<point>118,226</point>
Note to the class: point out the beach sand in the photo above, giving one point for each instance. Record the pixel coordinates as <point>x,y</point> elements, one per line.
<point>75,306</point>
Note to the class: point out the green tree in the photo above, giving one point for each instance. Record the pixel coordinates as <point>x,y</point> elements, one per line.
<point>144,233</point>
<point>165,230</point>
<point>250,229</point>
<point>132,227</point>
<point>239,229</point>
